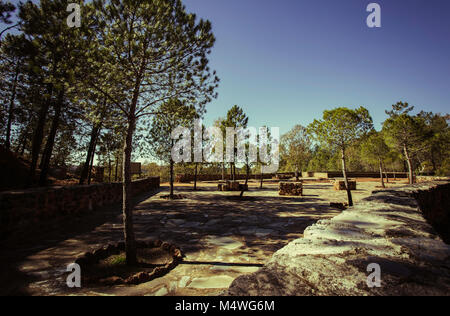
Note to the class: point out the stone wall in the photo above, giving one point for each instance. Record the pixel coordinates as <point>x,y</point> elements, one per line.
<point>186,178</point>
<point>22,207</point>
<point>435,205</point>
<point>351,174</point>
<point>388,229</point>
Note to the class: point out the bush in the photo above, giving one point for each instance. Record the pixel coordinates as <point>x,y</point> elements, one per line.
<point>444,170</point>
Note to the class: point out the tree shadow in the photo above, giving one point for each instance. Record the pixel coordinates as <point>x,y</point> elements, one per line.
<point>49,234</point>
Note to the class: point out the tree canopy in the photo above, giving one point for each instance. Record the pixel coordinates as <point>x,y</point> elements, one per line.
<point>295,148</point>
<point>339,129</point>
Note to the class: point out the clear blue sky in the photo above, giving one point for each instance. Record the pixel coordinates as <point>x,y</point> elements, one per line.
<point>286,61</point>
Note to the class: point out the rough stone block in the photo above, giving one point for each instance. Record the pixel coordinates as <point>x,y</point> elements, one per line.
<point>291,188</point>
<point>339,185</point>
<point>232,186</point>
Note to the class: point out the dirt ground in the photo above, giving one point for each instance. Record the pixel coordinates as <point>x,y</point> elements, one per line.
<point>222,236</point>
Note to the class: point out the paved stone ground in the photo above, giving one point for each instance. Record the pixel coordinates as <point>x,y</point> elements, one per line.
<point>223,236</point>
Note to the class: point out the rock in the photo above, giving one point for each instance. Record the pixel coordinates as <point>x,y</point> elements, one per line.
<point>139,278</point>
<point>386,228</point>
<point>224,242</point>
<point>184,281</point>
<point>166,246</point>
<point>161,292</point>
<point>215,282</point>
<point>177,254</point>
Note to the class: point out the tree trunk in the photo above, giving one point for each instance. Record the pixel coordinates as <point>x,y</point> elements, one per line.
<point>171,178</point>
<point>45,165</point>
<point>39,134</point>
<point>223,171</point>
<point>116,175</point>
<point>91,164</point>
<point>247,175</point>
<point>91,149</point>
<point>381,174</point>
<point>22,150</point>
<point>386,174</point>
<point>109,169</point>
<point>296,174</point>
<point>11,110</point>
<point>344,172</point>
<point>262,178</point>
<point>130,243</point>
<point>195,177</point>
<point>408,161</point>
<point>20,147</point>
<point>433,160</point>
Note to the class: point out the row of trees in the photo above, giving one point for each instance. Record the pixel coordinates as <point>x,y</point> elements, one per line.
<point>102,87</point>
<point>419,142</point>
<point>345,139</point>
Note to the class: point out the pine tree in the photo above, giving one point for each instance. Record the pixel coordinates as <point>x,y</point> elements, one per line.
<point>340,128</point>
<point>147,52</point>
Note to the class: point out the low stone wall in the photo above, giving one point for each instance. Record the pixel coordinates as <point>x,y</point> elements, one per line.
<point>435,205</point>
<point>387,229</point>
<point>286,176</point>
<point>23,207</point>
<point>352,174</point>
<point>187,178</point>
